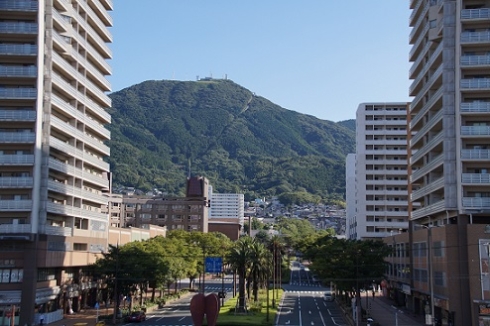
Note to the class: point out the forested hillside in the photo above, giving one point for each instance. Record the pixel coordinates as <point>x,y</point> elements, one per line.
<point>215,128</point>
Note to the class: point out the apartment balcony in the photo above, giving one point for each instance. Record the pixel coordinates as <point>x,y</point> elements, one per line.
<point>99,26</point>
<point>64,66</point>
<point>56,230</point>
<point>68,109</point>
<point>415,51</point>
<point>17,159</point>
<point>388,142</point>
<point>414,11</point>
<point>432,209</point>
<point>107,4</point>
<point>476,202</point>
<point>100,79</point>
<point>423,111</point>
<point>18,93</point>
<point>84,156</point>
<point>475,154</point>
<point>439,160</point>
<point>15,228</point>
<point>475,107</point>
<point>102,11</point>
<point>92,33</point>
<point>436,75</point>
<point>64,4</point>
<point>436,140</point>
<point>79,173</point>
<point>18,71</point>
<point>18,49</point>
<point>475,179</point>
<point>416,84</point>
<point>18,28</point>
<point>387,182</point>
<point>62,21</point>
<point>416,29</point>
<point>22,205</point>
<point>16,182</point>
<point>475,130</point>
<point>475,37</point>
<point>428,188</point>
<point>476,61</point>
<point>71,91</point>
<point>475,14</point>
<point>386,152</point>
<point>63,42</point>
<point>426,127</point>
<point>81,136</point>
<point>18,5</point>
<point>76,192</point>
<point>18,115</point>
<point>419,64</point>
<point>17,137</point>
<point>477,84</point>
<point>74,211</point>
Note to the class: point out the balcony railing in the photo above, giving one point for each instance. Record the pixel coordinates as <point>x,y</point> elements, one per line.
<point>16,159</point>
<point>18,71</point>
<point>475,37</point>
<point>18,28</point>
<point>15,228</point>
<point>18,49</point>
<point>475,178</point>
<point>475,154</point>
<point>475,107</point>
<point>428,188</point>
<point>56,230</point>
<point>429,210</point>
<point>17,115</point>
<point>475,130</point>
<point>427,167</point>
<point>16,182</point>
<point>475,83</point>
<point>475,60</point>
<point>16,205</point>
<point>18,93</point>
<point>476,202</point>
<point>74,211</point>
<point>482,13</point>
<point>23,5</point>
<point>17,137</point>
<point>71,170</point>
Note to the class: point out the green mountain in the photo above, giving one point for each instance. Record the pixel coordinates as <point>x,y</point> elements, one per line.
<point>241,142</point>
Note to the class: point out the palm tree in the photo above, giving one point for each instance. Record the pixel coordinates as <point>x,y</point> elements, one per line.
<point>276,247</point>
<point>239,259</point>
<point>260,267</point>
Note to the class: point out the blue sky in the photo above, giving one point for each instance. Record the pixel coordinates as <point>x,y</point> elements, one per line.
<point>318,57</point>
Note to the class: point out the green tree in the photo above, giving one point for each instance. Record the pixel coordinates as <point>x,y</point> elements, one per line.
<point>239,259</point>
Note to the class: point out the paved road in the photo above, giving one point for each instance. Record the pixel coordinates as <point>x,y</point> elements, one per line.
<point>303,304</point>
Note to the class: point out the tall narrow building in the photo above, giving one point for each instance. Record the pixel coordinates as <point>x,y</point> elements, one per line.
<point>381,181</point>
<point>450,124</point>
<point>53,68</point>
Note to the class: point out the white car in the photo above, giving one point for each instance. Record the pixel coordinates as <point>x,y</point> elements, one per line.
<point>328,296</point>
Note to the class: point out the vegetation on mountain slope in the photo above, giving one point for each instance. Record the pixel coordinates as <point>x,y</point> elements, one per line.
<point>163,130</point>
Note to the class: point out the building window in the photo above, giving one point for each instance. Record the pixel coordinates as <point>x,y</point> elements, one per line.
<point>438,249</point>
<point>439,279</point>
<point>79,247</point>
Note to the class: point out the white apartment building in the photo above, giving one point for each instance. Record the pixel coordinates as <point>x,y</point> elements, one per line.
<point>450,154</point>
<point>350,197</point>
<point>381,180</point>
<point>53,118</point>
<point>226,206</point>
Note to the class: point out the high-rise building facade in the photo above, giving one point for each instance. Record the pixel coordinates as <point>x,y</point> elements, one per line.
<point>381,180</point>
<point>450,157</point>
<point>227,206</point>
<point>53,68</point>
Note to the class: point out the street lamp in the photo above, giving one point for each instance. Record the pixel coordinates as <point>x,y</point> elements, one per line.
<point>431,281</point>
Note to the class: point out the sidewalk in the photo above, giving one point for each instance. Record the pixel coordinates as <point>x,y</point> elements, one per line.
<point>87,317</point>
<point>384,312</point>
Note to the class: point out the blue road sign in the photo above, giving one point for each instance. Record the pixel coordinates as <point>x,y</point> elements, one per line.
<point>213,264</point>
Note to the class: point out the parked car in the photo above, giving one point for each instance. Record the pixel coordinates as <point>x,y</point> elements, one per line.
<point>137,316</point>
